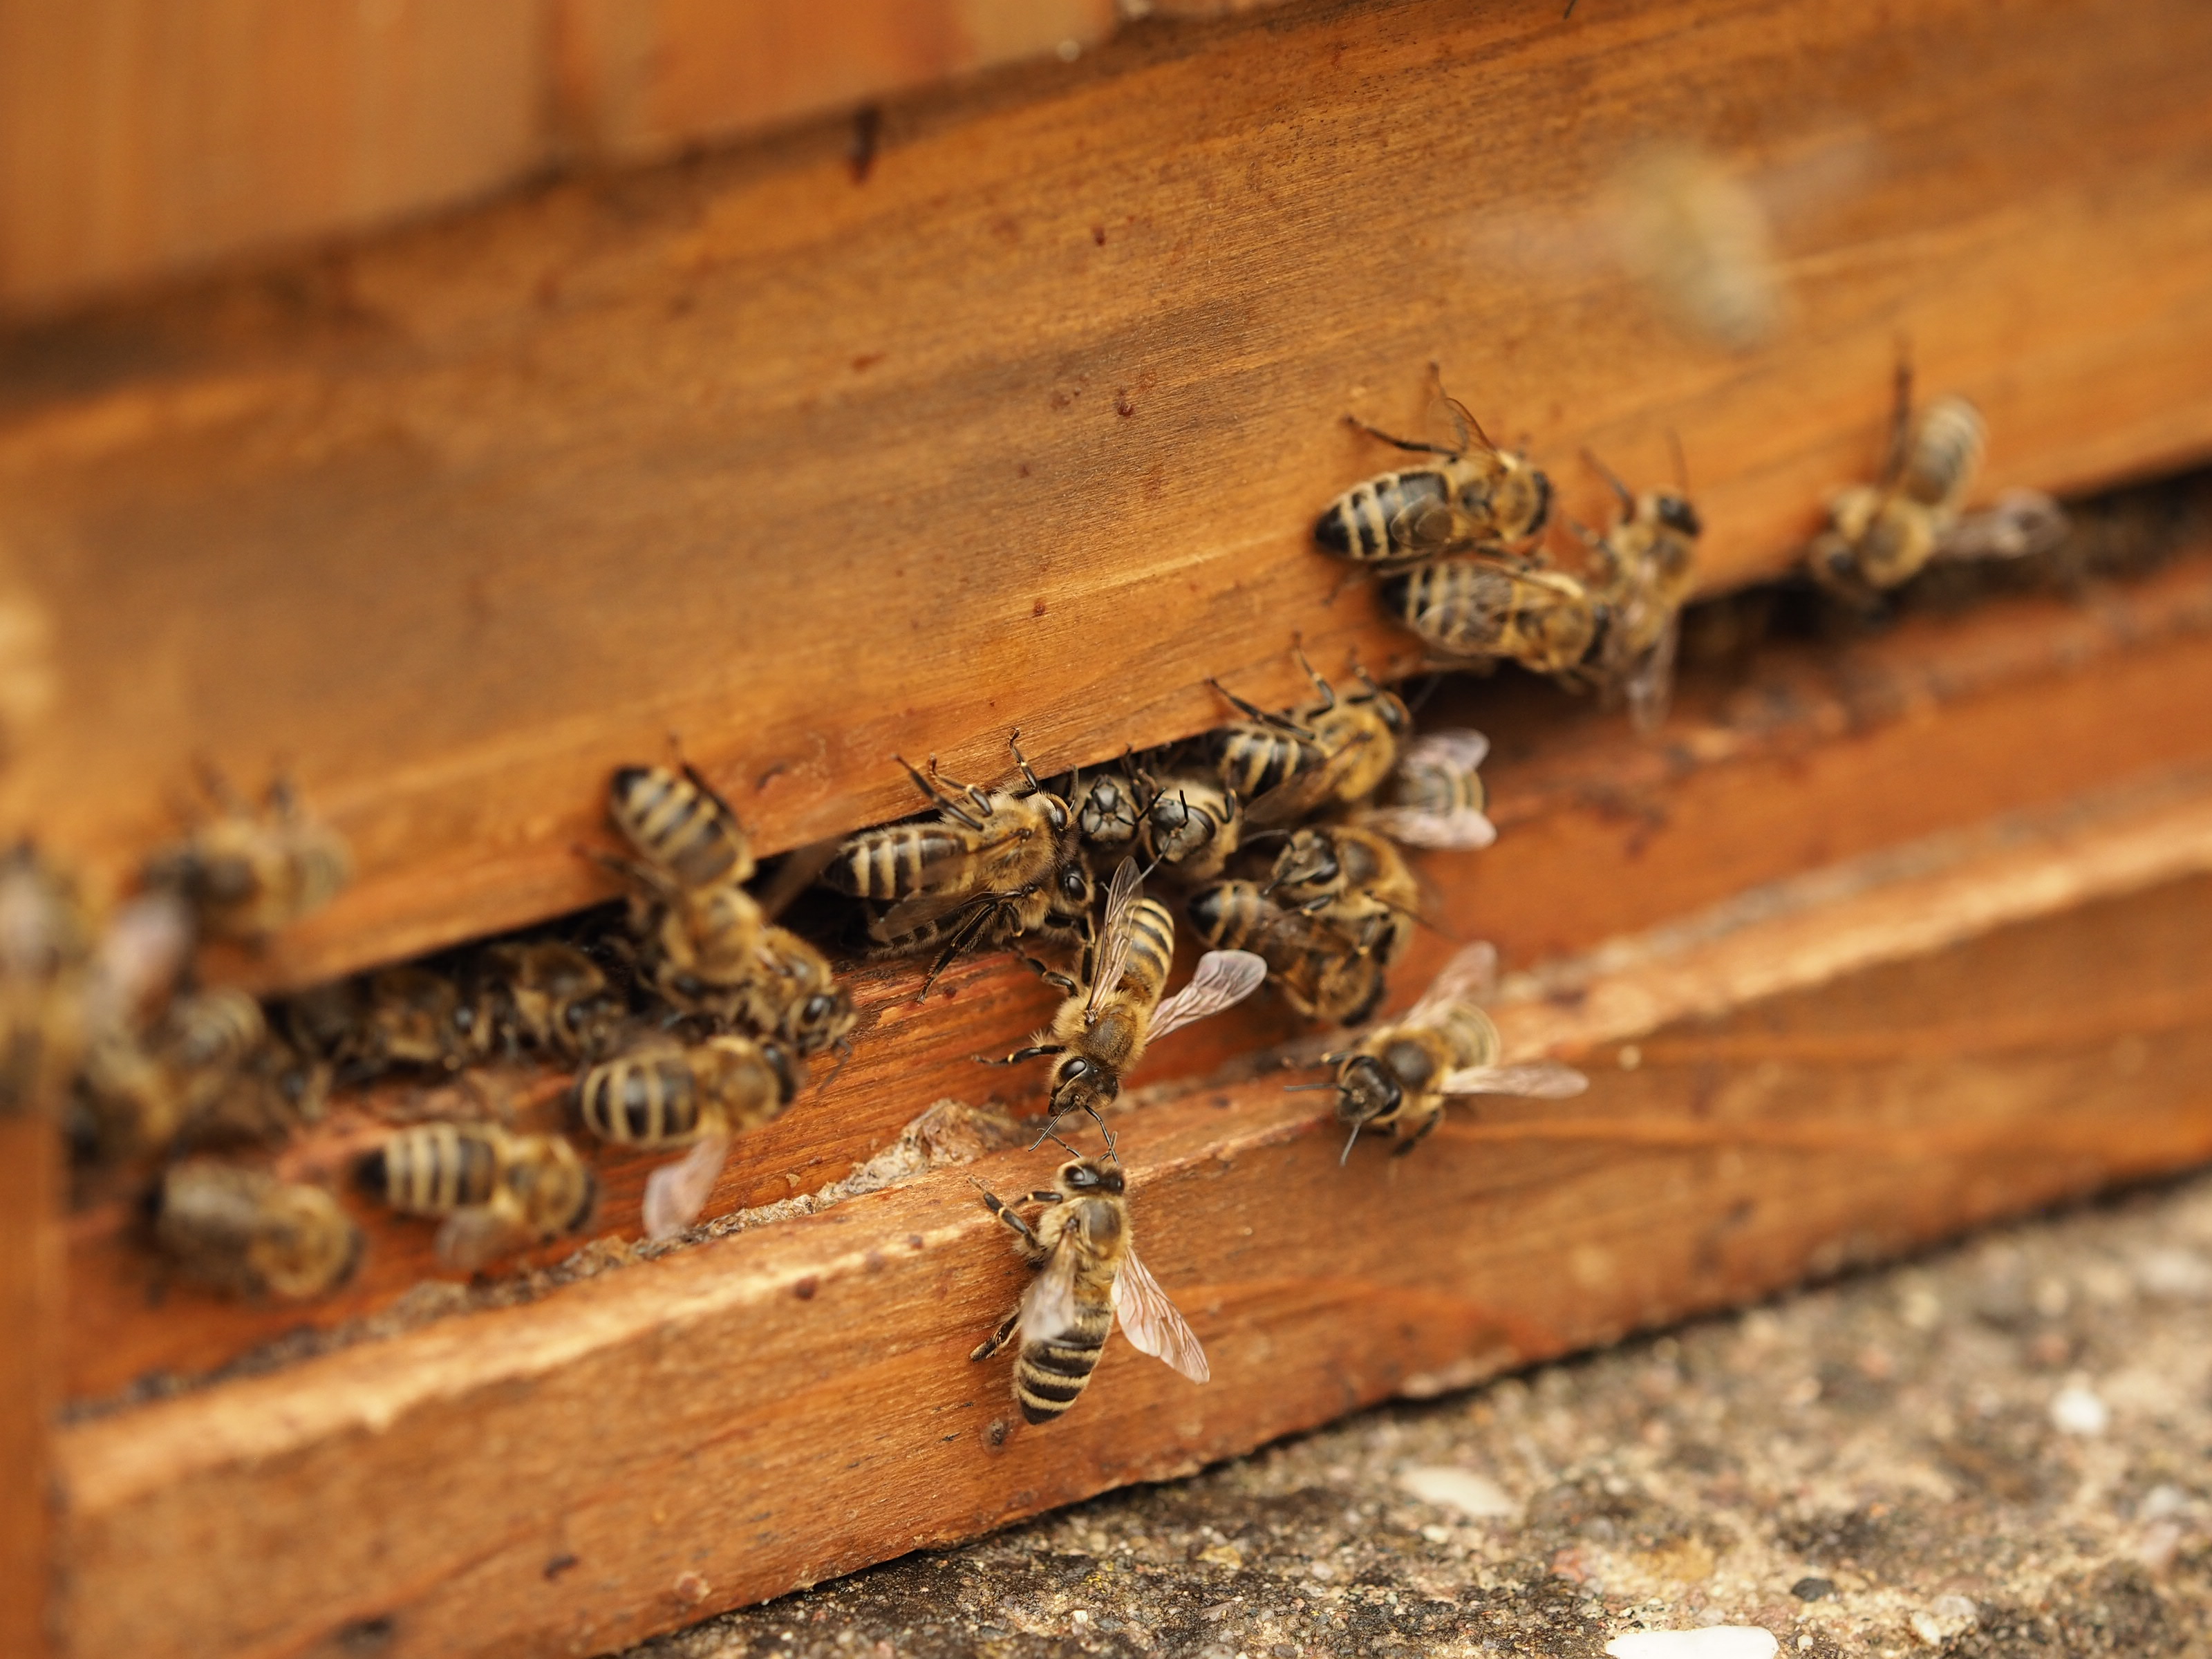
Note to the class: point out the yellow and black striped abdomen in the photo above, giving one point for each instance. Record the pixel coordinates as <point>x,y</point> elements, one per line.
<point>642,1100</point>
<point>1050,1376</point>
<point>1151,948</point>
<point>1947,453</point>
<point>1252,759</point>
<point>1359,524</point>
<point>434,1169</point>
<point>681,826</point>
<point>898,862</point>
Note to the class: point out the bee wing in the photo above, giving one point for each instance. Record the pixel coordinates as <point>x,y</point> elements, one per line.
<point>675,1193</point>
<point>1650,685</point>
<point>468,1238</point>
<point>800,866</point>
<point>1470,976</point>
<point>1151,1322</point>
<point>911,915</point>
<point>1546,1079</point>
<point>1048,1304</point>
<point>1458,750</point>
<point>1295,796</point>
<point>2022,522</point>
<point>1224,978</point>
<point>1114,935</point>
<point>1428,528</point>
<point>1461,830</point>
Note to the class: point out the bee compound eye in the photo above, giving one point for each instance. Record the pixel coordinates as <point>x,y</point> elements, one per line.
<point>820,1006</point>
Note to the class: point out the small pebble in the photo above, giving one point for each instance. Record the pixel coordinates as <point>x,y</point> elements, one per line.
<point>1463,1489</point>
<point>2075,1409</point>
<point>1813,1589</point>
<point>1721,1642</point>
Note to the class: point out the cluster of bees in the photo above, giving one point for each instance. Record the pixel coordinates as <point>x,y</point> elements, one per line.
<point>1278,838</point>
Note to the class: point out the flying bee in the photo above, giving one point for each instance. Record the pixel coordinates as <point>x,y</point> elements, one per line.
<point>248,875</point>
<point>495,1190</point>
<point>46,950</point>
<point>1477,497</point>
<point>1311,967</point>
<point>548,995</point>
<point>1646,568</point>
<point>1088,1273</point>
<point>680,825</point>
<point>1101,1030</point>
<point>1436,797</point>
<point>1398,1077</point>
<point>666,1095</point>
<point>244,1232</point>
<point>1546,620</point>
<point>1352,881</point>
<point>1880,536</point>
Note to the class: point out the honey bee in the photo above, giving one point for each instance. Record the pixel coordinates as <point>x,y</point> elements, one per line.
<point>784,987</point>
<point>1351,881</point>
<point>1311,967</point>
<point>496,1191</point>
<point>666,1095</point>
<point>1193,826</point>
<point>1397,1078</point>
<point>45,946</point>
<point>140,1093</point>
<point>1088,1273</point>
<point>999,840</point>
<point>244,1232</point>
<point>1109,809</point>
<point>1361,734</point>
<point>1544,619</point>
<point>1645,571</point>
<point>414,1016</point>
<point>1436,797</point>
<point>1477,498</point>
<point>1880,536</point>
<point>680,825</point>
<point>248,875</point>
<point>1059,910</point>
<point>548,995</point>
<point>1101,1030</point>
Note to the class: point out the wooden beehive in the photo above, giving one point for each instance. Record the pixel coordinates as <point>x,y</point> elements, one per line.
<point>1021,418</point>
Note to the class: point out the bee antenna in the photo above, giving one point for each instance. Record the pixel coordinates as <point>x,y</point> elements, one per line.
<point>1344,1156</point>
<point>1305,1088</point>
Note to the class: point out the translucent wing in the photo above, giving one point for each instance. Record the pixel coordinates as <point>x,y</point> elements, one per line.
<point>795,874</point>
<point>1151,1322</point>
<point>1428,528</point>
<point>1113,932</point>
<point>1456,751</point>
<point>1224,978</point>
<point>1650,685</point>
<point>910,915</point>
<point>139,956</point>
<point>1297,796</point>
<point>675,1193</point>
<point>1546,1079</point>
<point>1048,1304</point>
<point>469,1238</point>
<point>2022,522</point>
<point>1470,976</point>
<point>1461,830</point>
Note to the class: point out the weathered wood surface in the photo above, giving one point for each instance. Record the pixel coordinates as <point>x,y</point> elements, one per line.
<point>30,1316</point>
<point>1805,757</point>
<point>1029,429</point>
<point>793,1402</point>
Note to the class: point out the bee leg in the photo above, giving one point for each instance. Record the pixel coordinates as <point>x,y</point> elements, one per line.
<point>1021,1054</point>
<point>1900,418</point>
<point>1054,977</point>
<point>931,793</point>
<point>1327,691</point>
<point>1418,1136</point>
<point>997,1339</point>
<point>1252,711</point>
<point>1021,761</point>
<point>1408,444</point>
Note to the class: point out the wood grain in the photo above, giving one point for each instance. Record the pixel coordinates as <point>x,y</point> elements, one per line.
<point>1807,758</point>
<point>140,139</point>
<point>1030,428</point>
<point>793,1402</point>
<point>30,1314</point>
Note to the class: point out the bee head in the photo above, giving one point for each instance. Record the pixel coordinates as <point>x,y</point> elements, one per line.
<point>1080,1084</point>
<point>1110,815</point>
<point>1366,1090</point>
<point>1392,709</point>
<point>1677,515</point>
<point>1308,860</point>
<point>1073,883</point>
<point>1091,1174</point>
<point>822,1018</point>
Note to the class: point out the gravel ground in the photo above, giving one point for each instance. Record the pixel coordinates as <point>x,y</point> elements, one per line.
<point>2003,1448</point>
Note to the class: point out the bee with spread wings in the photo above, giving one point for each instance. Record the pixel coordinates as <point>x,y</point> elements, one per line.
<point>1399,1076</point>
<point>1101,1031</point>
<point>1435,797</point>
<point>1087,1274</point>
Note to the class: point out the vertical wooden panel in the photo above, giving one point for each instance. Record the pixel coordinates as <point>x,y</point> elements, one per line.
<point>29,1275</point>
<point>140,138</point>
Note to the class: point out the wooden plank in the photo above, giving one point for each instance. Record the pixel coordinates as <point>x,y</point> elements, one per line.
<point>1030,427</point>
<point>143,138</point>
<point>1809,755</point>
<point>776,1407</point>
<point>642,78</point>
<point>30,1314</point>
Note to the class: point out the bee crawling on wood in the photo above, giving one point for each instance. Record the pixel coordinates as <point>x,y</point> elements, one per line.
<point>1350,880</point>
<point>1475,497</point>
<point>1880,536</point>
<point>1312,967</point>
<point>1645,569</point>
<point>1398,1077</point>
<point>249,874</point>
<point>1088,1273</point>
<point>495,1191</point>
<point>244,1232</point>
<point>1102,1031</point>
